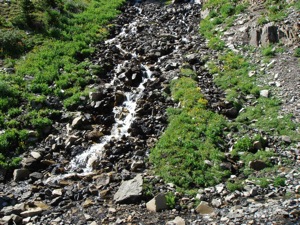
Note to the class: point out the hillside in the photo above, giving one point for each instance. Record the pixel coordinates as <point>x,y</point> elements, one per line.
<point>106,105</point>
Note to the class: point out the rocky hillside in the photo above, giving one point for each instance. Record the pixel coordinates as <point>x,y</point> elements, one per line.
<point>151,127</point>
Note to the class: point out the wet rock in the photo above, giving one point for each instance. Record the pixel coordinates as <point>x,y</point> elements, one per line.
<point>130,191</point>
<point>203,208</point>
<point>94,135</point>
<point>21,174</point>
<point>119,98</point>
<point>157,204</point>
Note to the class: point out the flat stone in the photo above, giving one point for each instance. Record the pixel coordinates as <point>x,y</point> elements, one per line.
<point>35,155</point>
<point>158,203</point>
<point>130,191</point>
<point>203,208</point>
<point>87,203</point>
<point>177,221</point>
<point>32,212</point>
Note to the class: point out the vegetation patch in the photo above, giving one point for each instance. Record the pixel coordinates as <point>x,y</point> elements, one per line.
<point>44,48</point>
<point>188,154</point>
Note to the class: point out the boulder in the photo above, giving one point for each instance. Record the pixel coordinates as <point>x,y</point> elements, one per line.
<point>158,203</point>
<point>203,208</point>
<point>21,174</point>
<point>257,165</point>
<point>130,191</point>
<point>269,34</point>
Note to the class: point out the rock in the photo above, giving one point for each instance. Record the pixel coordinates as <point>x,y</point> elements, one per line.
<point>286,139</point>
<point>36,176</point>
<point>231,113</point>
<point>94,135</point>
<point>21,174</point>
<point>130,191</point>
<point>257,145</point>
<point>32,212</point>
<point>257,165</point>
<point>95,96</point>
<point>264,93</point>
<point>217,202</point>
<point>254,37</point>
<point>2,174</point>
<point>102,179</point>
<point>87,203</point>
<point>36,155</point>
<point>203,208</point>
<point>269,34</point>
<point>119,98</point>
<point>177,221</point>
<point>77,122</point>
<point>57,192</point>
<point>157,204</point>
<point>136,165</point>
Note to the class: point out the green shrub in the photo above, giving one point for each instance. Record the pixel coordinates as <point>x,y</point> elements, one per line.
<point>234,185</point>
<point>227,10</point>
<point>262,182</point>
<point>171,200</point>
<point>268,51</point>
<point>216,43</point>
<point>297,52</point>
<point>279,182</point>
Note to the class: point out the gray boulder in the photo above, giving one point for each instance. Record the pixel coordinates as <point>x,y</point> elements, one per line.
<point>130,191</point>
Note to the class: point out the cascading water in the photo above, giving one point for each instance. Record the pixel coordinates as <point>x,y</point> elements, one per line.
<point>124,115</point>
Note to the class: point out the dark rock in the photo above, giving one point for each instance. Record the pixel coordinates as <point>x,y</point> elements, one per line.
<point>21,174</point>
<point>257,165</point>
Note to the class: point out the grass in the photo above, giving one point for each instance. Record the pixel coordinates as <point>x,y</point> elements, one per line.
<point>48,44</point>
<point>193,136</point>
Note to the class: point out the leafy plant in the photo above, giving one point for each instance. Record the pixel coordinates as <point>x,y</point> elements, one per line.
<point>279,181</point>
<point>297,52</point>
<point>171,200</point>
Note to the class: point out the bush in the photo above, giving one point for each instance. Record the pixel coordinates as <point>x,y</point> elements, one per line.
<point>279,182</point>
<point>268,51</point>
<point>297,52</point>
